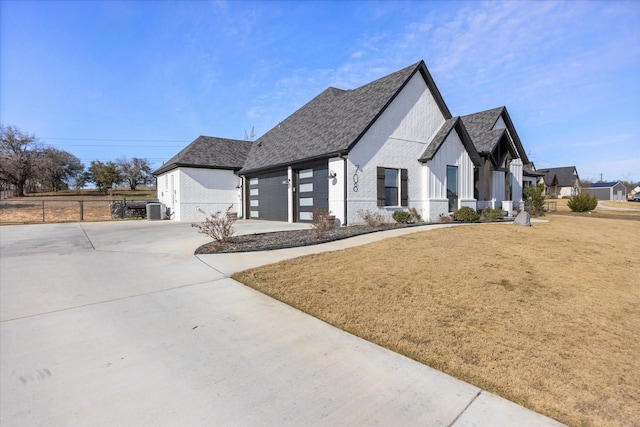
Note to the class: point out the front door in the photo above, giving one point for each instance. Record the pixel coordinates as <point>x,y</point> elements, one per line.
<point>452,187</point>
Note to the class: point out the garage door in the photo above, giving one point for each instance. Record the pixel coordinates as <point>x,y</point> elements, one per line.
<point>312,191</point>
<point>267,196</point>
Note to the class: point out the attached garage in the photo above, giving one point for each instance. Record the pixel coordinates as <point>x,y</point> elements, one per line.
<point>273,195</point>
<point>311,191</point>
<point>267,196</point>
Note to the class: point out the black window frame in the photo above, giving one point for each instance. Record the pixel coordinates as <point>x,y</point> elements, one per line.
<point>402,187</point>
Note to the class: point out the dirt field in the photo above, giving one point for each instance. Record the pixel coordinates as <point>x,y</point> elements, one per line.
<point>546,316</point>
<point>65,206</point>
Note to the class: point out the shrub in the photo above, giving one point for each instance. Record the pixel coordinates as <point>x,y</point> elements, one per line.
<point>582,202</point>
<point>218,226</point>
<point>402,217</point>
<point>323,221</point>
<point>466,214</point>
<point>535,199</point>
<point>489,214</point>
<point>372,219</point>
<point>415,215</point>
<point>444,218</point>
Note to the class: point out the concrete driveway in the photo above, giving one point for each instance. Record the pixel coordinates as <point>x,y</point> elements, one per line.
<point>118,324</point>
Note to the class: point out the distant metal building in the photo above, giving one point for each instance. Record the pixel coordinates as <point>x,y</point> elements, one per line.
<point>608,191</point>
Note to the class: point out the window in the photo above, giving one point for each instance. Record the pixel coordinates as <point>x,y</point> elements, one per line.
<point>306,173</point>
<point>452,187</point>
<point>392,187</point>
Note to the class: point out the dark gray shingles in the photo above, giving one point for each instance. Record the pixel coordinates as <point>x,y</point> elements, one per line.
<point>564,175</point>
<point>450,125</point>
<point>439,139</point>
<point>480,128</point>
<point>330,123</point>
<point>210,152</point>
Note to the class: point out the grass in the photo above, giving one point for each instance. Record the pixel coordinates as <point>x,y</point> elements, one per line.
<point>546,316</point>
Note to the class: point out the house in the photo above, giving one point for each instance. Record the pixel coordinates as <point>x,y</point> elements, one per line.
<point>388,145</point>
<point>607,191</point>
<point>499,178</point>
<point>530,176</point>
<point>202,178</point>
<point>561,182</point>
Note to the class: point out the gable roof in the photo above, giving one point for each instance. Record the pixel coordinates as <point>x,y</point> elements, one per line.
<point>564,176</point>
<point>333,122</point>
<point>442,134</point>
<point>209,152</point>
<point>485,138</point>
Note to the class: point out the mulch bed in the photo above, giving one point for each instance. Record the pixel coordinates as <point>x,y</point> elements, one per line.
<point>297,238</point>
<point>290,239</point>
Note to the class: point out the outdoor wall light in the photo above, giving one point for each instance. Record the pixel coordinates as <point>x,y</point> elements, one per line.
<point>332,174</point>
<point>286,181</point>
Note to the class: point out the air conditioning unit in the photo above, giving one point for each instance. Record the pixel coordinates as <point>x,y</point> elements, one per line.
<point>156,211</point>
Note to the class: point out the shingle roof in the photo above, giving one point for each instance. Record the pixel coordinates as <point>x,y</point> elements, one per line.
<point>209,152</point>
<point>441,136</point>
<point>563,175</point>
<point>480,127</point>
<point>531,173</point>
<point>332,122</point>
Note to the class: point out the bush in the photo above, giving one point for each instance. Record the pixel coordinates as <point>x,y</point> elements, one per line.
<point>218,226</point>
<point>466,214</point>
<point>444,218</point>
<point>372,219</point>
<point>323,221</point>
<point>489,214</point>
<point>535,199</point>
<point>582,202</point>
<point>402,217</point>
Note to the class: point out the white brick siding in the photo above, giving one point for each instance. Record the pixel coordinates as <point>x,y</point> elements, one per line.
<point>396,140</point>
<point>199,192</point>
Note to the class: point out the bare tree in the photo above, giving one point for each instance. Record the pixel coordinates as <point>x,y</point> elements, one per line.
<point>19,155</point>
<point>55,168</point>
<point>135,171</point>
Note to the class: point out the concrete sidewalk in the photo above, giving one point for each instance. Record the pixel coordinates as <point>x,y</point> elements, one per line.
<point>119,324</point>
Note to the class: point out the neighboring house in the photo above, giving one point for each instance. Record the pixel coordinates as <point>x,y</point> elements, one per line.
<point>202,178</point>
<point>635,191</point>
<point>530,176</point>
<point>389,145</point>
<point>607,191</point>
<point>561,182</point>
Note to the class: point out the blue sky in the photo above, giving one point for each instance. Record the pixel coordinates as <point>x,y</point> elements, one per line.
<point>104,80</point>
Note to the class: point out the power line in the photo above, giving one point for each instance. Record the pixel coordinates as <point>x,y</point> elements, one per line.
<point>116,140</point>
<point>113,145</point>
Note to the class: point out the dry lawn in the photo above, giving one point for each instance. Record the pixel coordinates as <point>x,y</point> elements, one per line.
<point>64,206</point>
<point>546,316</point>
